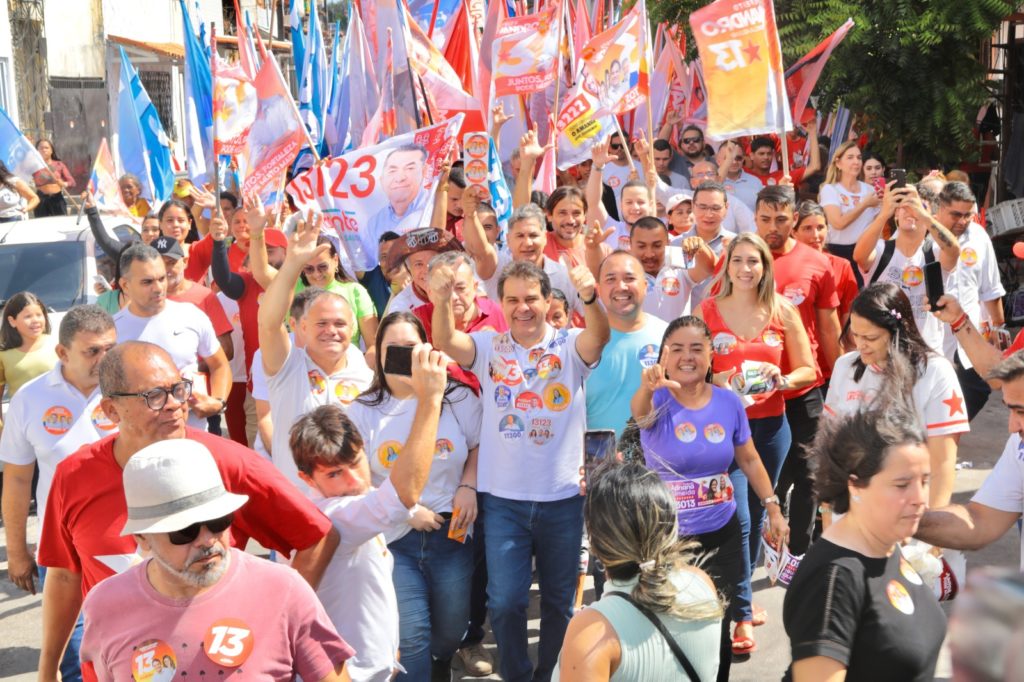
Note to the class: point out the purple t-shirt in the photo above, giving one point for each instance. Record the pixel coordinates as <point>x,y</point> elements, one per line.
<point>692,451</point>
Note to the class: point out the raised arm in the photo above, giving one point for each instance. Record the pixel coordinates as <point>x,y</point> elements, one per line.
<point>110,246</point>
<point>530,150</point>
<point>412,468</point>
<point>203,201</point>
<point>231,283</point>
<point>255,215</point>
<point>814,163</point>
<point>498,121</point>
<point>595,184</point>
<point>458,345</point>
<point>593,242</point>
<point>642,403</point>
<point>439,215</point>
<point>28,194</point>
<point>949,247</point>
<point>483,253</point>
<point>703,258</point>
<point>645,155</point>
<point>594,337</point>
<point>864,252</point>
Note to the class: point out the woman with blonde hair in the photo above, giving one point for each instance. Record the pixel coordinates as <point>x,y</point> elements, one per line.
<point>850,203</point>
<point>754,333</point>
<point>659,618</point>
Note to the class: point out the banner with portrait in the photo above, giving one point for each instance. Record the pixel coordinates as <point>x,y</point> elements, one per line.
<point>525,52</point>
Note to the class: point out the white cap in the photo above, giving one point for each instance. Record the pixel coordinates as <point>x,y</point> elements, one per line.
<point>677,199</point>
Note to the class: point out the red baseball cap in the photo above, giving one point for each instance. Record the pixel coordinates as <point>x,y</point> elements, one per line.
<point>275,238</point>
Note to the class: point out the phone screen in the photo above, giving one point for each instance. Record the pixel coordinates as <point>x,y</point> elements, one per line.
<point>398,360</point>
<point>597,445</point>
<point>933,285</point>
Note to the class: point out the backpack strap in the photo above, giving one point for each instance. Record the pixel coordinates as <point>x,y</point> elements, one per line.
<point>672,643</point>
<point>888,249</point>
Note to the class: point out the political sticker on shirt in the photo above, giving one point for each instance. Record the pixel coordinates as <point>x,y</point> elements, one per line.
<point>648,355</point>
<point>511,427</point>
<point>670,286</point>
<point>57,420</point>
<point>529,401</point>
<point>388,452</point>
<point>686,432</point>
<point>701,492</point>
<point>549,367</point>
<point>540,430</point>
<point>346,391</point>
<point>899,597</point>
<point>714,433</point>
<point>557,397</point>
<point>443,448</point>
<point>100,419</point>
<point>795,294</point>
<point>228,642</point>
<point>912,276</point>
<point>723,343</point>
<point>317,382</point>
<point>969,256</point>
<point>505,371</point>
<point>529,374</point>
<point>154,661</point>
<point>535,355</point>
<point>502,397</point>
<point>908,572</point>
<point>772,338</point>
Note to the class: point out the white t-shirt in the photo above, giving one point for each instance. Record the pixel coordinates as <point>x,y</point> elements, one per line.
<point>46,421</point>
<point>385,429</point>
<point>744,188</point>
<point>908,274</point>
<point>1004,487</point>
<point>739,218</point>
<point>357,590</point>
<point>975,280</point>
<point>937,396</point>
<point>619,239</point>
<point>534,415</point>
<point>405,300</point>
<point>301,386</point>
<point>837,195</point>
<point>181,329</point>
<point>668,294</point>
<point>237,362</point>
<point>615,176</point>
<point>557,274</point>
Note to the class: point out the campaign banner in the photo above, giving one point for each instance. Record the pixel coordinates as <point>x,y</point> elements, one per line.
<point>581,122</point>
<point>525,52</point>
<point>617,63</point>
<point>276,135</point>
<point>803,75</point>
<point>387,187</point>
<point>738,43</point>
<point>104,187</point>
<point>234,107</point>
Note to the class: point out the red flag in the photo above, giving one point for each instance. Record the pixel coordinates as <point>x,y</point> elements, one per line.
<point>384,122</point>
<point>457,49</point>
<point>246,53</point>
<point>803,75</point>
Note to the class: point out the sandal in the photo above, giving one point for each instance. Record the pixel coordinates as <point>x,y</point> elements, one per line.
<point>743,646</point>
<point>760,616</point>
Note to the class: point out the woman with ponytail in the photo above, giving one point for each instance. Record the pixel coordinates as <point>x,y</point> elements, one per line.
<point>659,617</point>
<point>691,433</point>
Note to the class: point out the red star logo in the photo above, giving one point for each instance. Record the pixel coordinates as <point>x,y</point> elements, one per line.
<point>955,403</point>
<point>753,52</point>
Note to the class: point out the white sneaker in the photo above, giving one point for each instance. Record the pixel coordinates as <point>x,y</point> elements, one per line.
<point>476,661</point>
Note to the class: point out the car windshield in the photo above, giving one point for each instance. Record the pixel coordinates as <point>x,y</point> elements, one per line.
<point>53,271</point>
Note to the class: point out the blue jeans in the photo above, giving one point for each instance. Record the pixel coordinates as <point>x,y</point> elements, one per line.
<point>432,576</point>
<point>772,438</point>
<point>553,532</point>
<point>70,665</point>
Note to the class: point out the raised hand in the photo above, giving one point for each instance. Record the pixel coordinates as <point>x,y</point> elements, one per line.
<point>429,373</point>
<point>530,149</point>
<point>583,281</point>
<point>442,283</point>
<point>302,246</point>
<point>600,153</point>
<point>471,199</point>
<point>498,115</point>
<point>654,378</point>
<point>692,245</point>
<point>203,198</point>
<point>255,214</point>
<point>596,236</point>
<point>218,228</point>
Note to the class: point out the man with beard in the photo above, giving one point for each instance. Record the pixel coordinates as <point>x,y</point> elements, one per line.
<point>180,514</point>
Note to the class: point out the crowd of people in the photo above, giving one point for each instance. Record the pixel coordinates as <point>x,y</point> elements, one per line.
<point>408,442</point>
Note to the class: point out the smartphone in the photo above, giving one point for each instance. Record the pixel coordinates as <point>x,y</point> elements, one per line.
<point>879,185</point>
<point>398,361</point>
<point>900,176</point>
<point>933,286</point>
<point>597,446</point>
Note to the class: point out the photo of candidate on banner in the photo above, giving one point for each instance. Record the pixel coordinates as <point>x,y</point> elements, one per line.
<point>373,190</point>
<point>617,65</point>
<point>525,51</point>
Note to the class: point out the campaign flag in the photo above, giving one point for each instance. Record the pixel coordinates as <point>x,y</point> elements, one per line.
<point>140,144</point>
<point>582,122</point>
<point>198,104</point>
<point>359,93</point>
<point>581,33</point>
<point>442,85</point>
<point>803,75</point>
<point>234,107</point>
<point>435,17</point>
<point>617,65</point>
<point>525,52</point>
<point>314,84</point>
<point>383,122</point>
<point>276,135</point>
<point>739,48</point>
<point>17,153</point>
<point>246,50</point>
<point>298,40</point>
<point>104,186</point>
<point>369,191</point>
<point>501,197</point>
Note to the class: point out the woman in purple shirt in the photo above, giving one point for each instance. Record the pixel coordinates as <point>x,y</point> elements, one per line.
<point>691,432</point>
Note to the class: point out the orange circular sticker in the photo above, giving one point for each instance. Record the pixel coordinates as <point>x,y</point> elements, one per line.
<point>153,661</point>
<point>346,392</point>
<point>228,642</point>
<point>557,397</point>
<point>317,383</point>
<point>899,597</point>
<point>100,420</point>
<point>388,452</point>
<point>969,257</point>
<point>57,420</point>
<point>912,275</point>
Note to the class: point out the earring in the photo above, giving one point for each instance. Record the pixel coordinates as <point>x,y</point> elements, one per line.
<point>855,498</point>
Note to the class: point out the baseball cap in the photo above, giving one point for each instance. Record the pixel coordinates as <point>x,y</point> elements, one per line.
<point>423,239</point>
<point>675,200</point>
<point>172,484</point>
<point>168,247</point>
<point>274,237</point>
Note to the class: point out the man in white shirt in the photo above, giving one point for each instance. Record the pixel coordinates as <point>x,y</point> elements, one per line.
<point>301,379</point>
<point>636,196</point>
<point>414,251</point>
<point>710,203</point>
<point>738,218</point>
<point>181,329</point>
<point>48,419</point>
<point>738,182</point>
<point>616,171</point>
<point>534,417</point>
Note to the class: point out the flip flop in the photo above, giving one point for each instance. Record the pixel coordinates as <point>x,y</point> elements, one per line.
<point>743,646</point>
<point>760,616</point>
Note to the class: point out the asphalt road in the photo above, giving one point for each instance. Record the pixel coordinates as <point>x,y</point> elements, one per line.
<point>20,613</point>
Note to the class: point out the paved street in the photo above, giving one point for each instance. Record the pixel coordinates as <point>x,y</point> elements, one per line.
<point>20,614</point>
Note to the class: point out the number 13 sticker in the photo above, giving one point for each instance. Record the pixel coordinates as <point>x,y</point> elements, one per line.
<point>228,642</point>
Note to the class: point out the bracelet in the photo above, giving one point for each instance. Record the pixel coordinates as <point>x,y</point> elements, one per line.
<point>959,323</point>
<point>592,298</point>
<point>466,485</point>
<point>599,169</point>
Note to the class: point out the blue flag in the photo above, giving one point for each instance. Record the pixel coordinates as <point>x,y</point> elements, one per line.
<point>298,41</point>
<point>198,104</point>
<point>336,121</point>
<point>17,153</point>
<point>313,86</point>
<point>140,144</point>
<point>501,197</point>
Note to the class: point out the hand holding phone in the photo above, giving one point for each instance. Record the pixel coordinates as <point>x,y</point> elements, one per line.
<point>933,286</point>
<point>398,360</point>
<point>900,176</point>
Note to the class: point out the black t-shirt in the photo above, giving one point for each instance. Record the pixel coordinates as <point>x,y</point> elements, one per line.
<point>875,616</point>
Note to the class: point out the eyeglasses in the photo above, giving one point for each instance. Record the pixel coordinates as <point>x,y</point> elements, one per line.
<point>311,269</point>
<point>188,534</point>
<point>156,398</point>
<point>691,140</point>
<point>704,208</point>
<point>705,174</point>
<point>738,157</point>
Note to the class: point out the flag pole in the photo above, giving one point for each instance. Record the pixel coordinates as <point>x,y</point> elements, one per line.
<point>213,104</point>
<point>560,63</point>
<point>625,141</point>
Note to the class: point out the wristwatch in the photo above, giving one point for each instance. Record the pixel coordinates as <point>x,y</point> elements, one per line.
<point>223,405</point>
<point>774,499</point>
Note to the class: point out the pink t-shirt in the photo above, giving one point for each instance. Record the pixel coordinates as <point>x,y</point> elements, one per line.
<point>261,621</point>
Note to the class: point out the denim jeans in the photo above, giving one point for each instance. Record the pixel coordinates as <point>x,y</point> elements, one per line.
<point>478,589</point>
<point>70,665</point>
<point>772,438</point>
<point>431,576</point>
<point>516,531</point>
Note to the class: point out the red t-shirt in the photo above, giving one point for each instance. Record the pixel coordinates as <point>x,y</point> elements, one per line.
<point>87,509</point>
<point>1018,344</point>
<point>804,277</point>
<point>248,317</point>
<point>846,290</point>
<point>207,301</point>
<point>730,350</point>
<point>490,318</point>
<point>775,177</point>
<point>200,256</point>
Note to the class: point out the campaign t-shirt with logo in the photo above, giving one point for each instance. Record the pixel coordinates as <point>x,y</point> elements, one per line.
<point>534,415</point>
<point>87,509</point>
<point>908,274</point>
<point>386,427</point>
<point>668,293</point>
<point>134,632</point>
<point>836,195</point>
<point>612,384</point>
<point>938,400</point>
<point>301,386</point>
<point>46,421</point>
<point>692,451</point>
<point>975,280</point>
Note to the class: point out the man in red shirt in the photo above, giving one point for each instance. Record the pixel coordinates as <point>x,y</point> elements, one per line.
<point>145,396</point>
<point>804,277</point>
<point>762,155</point>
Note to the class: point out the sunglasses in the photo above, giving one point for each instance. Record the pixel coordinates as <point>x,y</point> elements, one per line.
<point>615,147</point>
<point>188,534</point>
<point>691,140</point>
<point>313,269</point>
